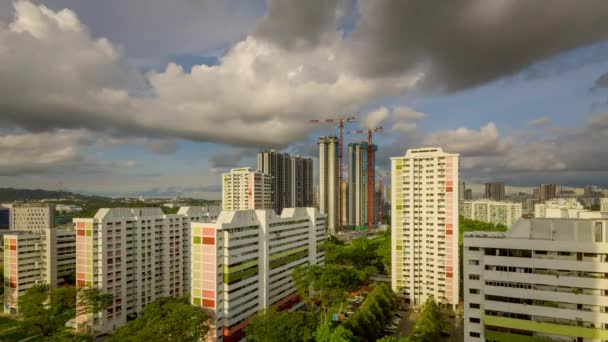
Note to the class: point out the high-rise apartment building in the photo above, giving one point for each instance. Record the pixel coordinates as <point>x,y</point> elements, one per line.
<point>378,199</point>
<point>292,179</point>
<point>32,217</point>
<point>468,194</point>
<point>358,208</point>
<point>328,180</point>
<point>301,183</point>
<point>243,263</point>
<point>592,191</point>
<point>344,202</point>
<point>278,165</point>
<point>547,192</point>
<point>45,256</point>
<point>495,191</point>
<point>424,221</point>
<point>5,218</point>
<point>504,213</point>
<point>243,188</point>
<point>135,254</point>
<point>542,280</point>
<point>461,191</point>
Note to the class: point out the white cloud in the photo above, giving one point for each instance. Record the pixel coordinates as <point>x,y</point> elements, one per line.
<point>46,152</point>
<point>404,127</point>
<point>407,114</point>
<point>259,94</point>
<point>402,119</point>
<point>538,122</point>
<point>375,118</point>
<point>469,142</point>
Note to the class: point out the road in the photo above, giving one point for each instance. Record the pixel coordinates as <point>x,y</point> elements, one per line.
<point>407,324</point>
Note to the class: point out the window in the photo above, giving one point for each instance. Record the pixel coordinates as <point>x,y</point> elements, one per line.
<point>474,291</point>
<point>474,262</point>
<point>473,248</point>
<point>474,276</point>
<point>598,231</point>
<point>474,306</point>
<point>564,253</point>
<point>474,334</point>
<point>474,320</point>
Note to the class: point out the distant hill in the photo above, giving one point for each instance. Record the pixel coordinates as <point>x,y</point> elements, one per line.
<point>12,195</point>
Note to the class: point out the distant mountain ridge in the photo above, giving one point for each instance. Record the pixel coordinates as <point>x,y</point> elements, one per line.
<point>12,195</point>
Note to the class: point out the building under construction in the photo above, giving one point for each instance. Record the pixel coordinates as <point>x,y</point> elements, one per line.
<point>359,207</point>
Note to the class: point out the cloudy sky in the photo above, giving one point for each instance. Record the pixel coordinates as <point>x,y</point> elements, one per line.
<point>158,97</point>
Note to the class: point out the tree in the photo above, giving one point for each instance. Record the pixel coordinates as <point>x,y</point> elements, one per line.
<point>47,310</point>
<point>165,319</point>
<point>384,254</point>
<point>368,321</point>
<point>271,325</point>
<point>325,333</point>
<point>326,285</point>
<point>373,255</point>
<point>92,300</point>
<point>68,336</point>
<point>430,324</point>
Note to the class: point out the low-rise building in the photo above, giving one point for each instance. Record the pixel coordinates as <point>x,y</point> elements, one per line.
<point>543,280</point>
<point>558,208</point>
<point>68,208</point>
<point>243,262</point>
<point>604,204</point>
<point>504,213</point>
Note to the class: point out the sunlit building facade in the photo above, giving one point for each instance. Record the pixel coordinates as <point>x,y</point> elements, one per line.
<point>243,262</point>
<point>424,220</point>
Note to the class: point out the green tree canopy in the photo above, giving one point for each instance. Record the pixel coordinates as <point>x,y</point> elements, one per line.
<point>91,300</point>
<point>367,323</point>
<point>372,255</point>
<point>325,333</point>
<point>431,323</point>
<point>165,319</point>
<point>326,285</point>
<point>47,310</point>
<point>271,325</point>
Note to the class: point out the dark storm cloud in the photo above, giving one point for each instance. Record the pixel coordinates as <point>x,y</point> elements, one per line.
<point>231,158</point>
<point>299,23</point>
<point>465,43</point>
<point>152,31</point>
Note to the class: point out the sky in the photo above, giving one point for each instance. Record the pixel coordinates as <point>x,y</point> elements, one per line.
<point>157,98</point>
